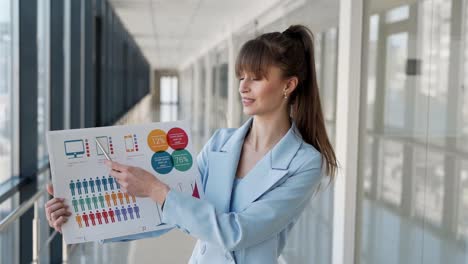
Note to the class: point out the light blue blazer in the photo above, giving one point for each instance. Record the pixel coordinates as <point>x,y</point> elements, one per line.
<point>268,200</point>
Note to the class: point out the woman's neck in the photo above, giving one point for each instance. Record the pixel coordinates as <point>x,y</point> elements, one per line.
<point>265,132</point>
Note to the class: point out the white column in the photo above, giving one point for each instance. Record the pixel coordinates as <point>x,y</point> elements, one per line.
<point>196,103</point>
<point>66,70</point>
<point>233,118</point>
<point>347,128</point>
<point>208,111</point>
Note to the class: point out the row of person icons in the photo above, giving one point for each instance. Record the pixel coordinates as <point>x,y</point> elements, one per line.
<point>123,214</point>
<point>80,187</point>
<point>107,197</point>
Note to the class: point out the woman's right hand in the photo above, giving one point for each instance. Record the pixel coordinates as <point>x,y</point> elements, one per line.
<point>57,212</point>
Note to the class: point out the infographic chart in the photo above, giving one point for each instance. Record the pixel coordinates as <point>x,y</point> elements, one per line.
<point>100,209</point>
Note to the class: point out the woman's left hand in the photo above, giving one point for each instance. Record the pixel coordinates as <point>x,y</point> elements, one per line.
<point>137,181</point>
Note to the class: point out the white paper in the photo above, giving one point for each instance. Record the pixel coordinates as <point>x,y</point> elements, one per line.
<point>164,149</point>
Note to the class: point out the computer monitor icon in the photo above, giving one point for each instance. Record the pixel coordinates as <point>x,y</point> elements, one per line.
<point>74,148</point>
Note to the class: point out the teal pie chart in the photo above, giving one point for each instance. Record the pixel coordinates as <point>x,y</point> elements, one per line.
<point>162,162</point>
<point>182,160</point>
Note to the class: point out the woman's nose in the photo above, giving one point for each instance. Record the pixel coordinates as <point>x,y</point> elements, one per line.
<point>243,87</point>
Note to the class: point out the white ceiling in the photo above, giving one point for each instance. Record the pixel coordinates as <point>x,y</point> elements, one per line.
<point>170,32</point>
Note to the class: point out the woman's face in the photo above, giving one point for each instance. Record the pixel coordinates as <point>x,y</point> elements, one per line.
<point>263,96</point>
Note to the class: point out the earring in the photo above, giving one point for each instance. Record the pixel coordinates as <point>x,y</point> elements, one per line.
<point>285,96</point>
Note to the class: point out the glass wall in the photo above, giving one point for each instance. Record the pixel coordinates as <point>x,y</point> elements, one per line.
<point>43,82</point>
<point>9,251</point>
<point>43,114</point>
<point>412,201</point>
<point>6,89</point>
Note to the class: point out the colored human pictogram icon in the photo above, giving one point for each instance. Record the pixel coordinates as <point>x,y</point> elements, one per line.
<point>111,215</point>
<point>117,185</point>
<point>82,202</point>
<point>91,184</point>
<point>127,198</point>
<point>105,215</point>
<point>101,200</point>
<point>88,202</point>
<point>114,198</point>
<point>95,201</point>
<point>98,184</point>
<point>78,186</point>
<point>130,211</point>
<point>98,216</point>
<point>72,187</point>
<point>117,213</point>
<point>107,196</point>
<point>75,205</point>
<point>92,217</point>
<point>134,198</point>
<point>85,218</point>
<point>104,183</point>
<point>85,186</point>
<point>120,196</point>
<point>124,213</point>
<point>137,210</point>
<point>111,182</point>
<point>78,220</point>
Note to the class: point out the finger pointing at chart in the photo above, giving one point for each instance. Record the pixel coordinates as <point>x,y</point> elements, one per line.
<point>137,181</point>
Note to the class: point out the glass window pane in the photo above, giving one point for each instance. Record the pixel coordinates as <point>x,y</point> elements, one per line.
<point>463,206</point>
<point>9,250</point>
<point>391,163</point>
<point>397,14</point>
<point>371,69</point>
<point>395,79</point>
<point>43,83</point>
<point>6,90</point>
<point>416,79</point>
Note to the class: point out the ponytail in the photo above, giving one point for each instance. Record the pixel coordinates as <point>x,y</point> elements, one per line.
<point>306,108</point>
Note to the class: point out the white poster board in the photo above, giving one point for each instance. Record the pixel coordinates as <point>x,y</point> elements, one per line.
<point>100,210</point>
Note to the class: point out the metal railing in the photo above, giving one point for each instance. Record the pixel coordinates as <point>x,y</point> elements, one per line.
<point>22,209</point>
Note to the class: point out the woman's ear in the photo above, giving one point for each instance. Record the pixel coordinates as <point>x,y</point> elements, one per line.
<point>291,84</point>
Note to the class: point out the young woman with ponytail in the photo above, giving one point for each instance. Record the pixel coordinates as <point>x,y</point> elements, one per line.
<point>256,179</point>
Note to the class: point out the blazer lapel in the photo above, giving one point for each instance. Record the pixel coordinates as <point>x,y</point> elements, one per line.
<point>271,170</point>
<point>222,168</point>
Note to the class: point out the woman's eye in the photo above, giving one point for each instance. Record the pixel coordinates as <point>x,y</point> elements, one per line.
<point>251,79</point>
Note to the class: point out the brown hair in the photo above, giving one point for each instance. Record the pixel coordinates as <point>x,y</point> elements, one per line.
<point>293,52</point>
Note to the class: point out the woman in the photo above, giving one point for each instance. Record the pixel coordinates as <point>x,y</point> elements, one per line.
<point>258,178</point>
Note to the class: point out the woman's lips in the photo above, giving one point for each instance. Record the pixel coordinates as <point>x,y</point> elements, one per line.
<point>247,101</point>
